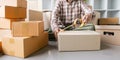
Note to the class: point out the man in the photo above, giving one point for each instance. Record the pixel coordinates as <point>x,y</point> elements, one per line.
<point>66,11</point>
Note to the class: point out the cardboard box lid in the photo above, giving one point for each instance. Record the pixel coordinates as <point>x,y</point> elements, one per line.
<point>107,27</point>
<point>78,33</point>
<point>108,21</point>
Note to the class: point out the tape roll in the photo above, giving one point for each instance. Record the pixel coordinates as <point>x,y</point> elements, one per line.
<point>75,23</point>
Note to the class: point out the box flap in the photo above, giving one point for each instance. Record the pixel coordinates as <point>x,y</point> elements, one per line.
<point>108,27</point>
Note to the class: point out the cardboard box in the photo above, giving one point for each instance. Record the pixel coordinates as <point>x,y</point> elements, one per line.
<point>78,40</point>
<point>35,15</point>
<point>4,33</point>
<point>108,21</point>
<point>12,12</point>
<point>41,16</point>
<point>24,46</point>
<point>109,33</point>
<point>7,23</point>
<point>14,3</point>
<point>24,3</point>
<point>31,28</point>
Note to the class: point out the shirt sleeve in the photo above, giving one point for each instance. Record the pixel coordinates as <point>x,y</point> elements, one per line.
<point>55,16</point>
<point>87,10</point>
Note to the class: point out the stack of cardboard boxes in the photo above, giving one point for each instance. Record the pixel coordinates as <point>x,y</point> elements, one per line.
<point>20,38</point>
<point>11,11</point>
<point>27,38</point>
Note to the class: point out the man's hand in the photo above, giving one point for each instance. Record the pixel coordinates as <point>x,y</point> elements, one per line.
<point>57,30</point>
<point>86,18</point>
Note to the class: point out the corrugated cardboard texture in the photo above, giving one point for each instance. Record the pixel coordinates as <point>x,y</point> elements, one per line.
<point>109,33</point>
<point>4,33</point>
<point>108,21</point>
<point>14,3</point>
<point>35,15</point>
<point>7,23</point>
<point>39,44</point>
<point>12,12</point>
<point>24,46</point>
<point>78,40</point>
<point>31,28</point>
<point>12,45</point>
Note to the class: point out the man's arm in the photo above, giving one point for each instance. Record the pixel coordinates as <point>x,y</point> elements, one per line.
<point>55,16</point>
<point>88,11</point>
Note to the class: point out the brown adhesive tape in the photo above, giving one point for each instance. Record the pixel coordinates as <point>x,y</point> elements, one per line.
<point>75,23</point>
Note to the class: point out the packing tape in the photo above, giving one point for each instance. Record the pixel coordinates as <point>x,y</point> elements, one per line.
<point>12,41</point>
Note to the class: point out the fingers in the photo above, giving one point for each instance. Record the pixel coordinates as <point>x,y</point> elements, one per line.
<point>85,18</point>
<point>57,30</point>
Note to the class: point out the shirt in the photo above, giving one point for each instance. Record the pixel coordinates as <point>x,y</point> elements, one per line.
<point>65,13</point>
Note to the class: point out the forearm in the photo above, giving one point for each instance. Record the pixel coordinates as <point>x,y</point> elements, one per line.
<point>56,15</point>
<point>54,20</point>
<point>54,24</point>
<point>87,10</point>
